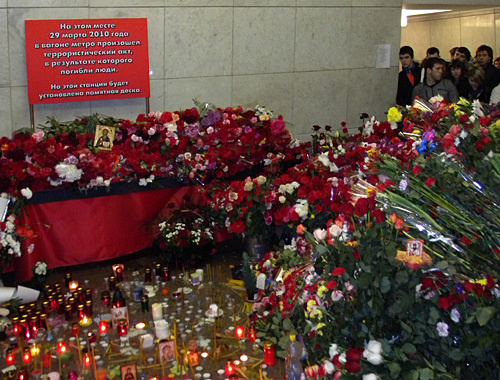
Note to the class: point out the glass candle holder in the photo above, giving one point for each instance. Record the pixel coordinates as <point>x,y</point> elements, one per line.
<point>269,355</point>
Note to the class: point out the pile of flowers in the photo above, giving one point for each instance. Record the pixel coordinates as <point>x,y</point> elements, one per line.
<point>365,306</point>
<point>191,144</point>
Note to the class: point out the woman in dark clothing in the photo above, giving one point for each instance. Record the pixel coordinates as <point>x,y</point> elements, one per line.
<point>457,74</point>
<point>476,77</point>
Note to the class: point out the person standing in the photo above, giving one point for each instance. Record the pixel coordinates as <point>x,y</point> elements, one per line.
<point>408,77</point>
<point>434,84</point>
<point>484,58</point>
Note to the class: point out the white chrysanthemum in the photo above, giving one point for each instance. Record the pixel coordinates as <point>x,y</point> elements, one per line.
<point>68,172</point>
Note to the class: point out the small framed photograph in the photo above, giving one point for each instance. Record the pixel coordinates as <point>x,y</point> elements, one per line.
<point>415,247</point>
<point>104,137</point>
<point>167,350</point>
<point>118,313</point>
<point>129,371</point>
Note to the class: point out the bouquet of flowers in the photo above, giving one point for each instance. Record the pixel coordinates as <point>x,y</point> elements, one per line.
<point>184,230</point>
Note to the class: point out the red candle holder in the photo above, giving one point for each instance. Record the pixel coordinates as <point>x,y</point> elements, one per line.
<point>103,327</point>
<point>118,272</point>
<point>61,347</point>
<point>122,327</point>
<point>27,355</point>
<point>46,359</point>
<point>75,329</point>
<point>229,369</point>
<point>92,337</point>
<point>23,374</point>
<point>10,358</point>
<point>240,332</point>
<point>87,359</point>
<point>269,355</point>
<point>252,334</point>
<point>16,326</point>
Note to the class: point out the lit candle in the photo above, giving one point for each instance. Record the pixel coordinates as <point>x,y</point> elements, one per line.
<point>10,358</point>
<point>46,359</point>
<point>229,369</point>
<point>35,350</point>
<point>118,270</point>
<point>243,358</point>
<point>61,347</point>
<point>157,311</point>
<point>252,334</point>
<point>68,277</point>
<point>16,325</point>
<point>73,285</point>
<point>103,327</point>
<point>122,327</point>
<point>140,325</point>
<point>269,357</point>
<point>87,359</point>
<point>26,355</point>
<point>23,374</point>
<point>240,332</point>
<point>86,321</point>
<point>75,329</point>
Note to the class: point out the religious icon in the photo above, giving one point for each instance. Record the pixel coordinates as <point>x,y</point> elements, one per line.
<point>415,247</point>
<point>167,350</point>
<point>104,137</point>
<point>129,371</point>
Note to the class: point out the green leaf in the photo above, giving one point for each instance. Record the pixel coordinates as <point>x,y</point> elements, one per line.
<point>484,314</point>
<point>426,374</point>
<point>411,375</point>
<point>401,277</point>
<point>443,264</point>
<point>321,249</point>
<point>385,285</point>
<point>409,348</point>
<point>439,367</point>
<point>287,324</point>
<point>395,370</point>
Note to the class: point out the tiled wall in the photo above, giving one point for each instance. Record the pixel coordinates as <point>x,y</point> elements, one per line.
<point>313,61</point>
<point>470,29</point>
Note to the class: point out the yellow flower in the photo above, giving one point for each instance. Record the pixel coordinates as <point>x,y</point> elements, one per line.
<point>394,116</point>
<point>312,216</point>
<point>482,282</point>
<point>417,132</point>
<point>463,102</point>
<point>322,290</point>
<point>318,327</point>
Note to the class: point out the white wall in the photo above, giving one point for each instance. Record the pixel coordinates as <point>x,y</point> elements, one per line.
<point>313,61</point>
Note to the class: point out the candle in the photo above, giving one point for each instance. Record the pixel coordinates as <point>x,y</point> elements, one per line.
<point>35,350</point>
<point>118,270</point>
<point>145,303</point>
<point>73,285</point>
<point>112,283</point>
<point>166,275</point>
<point>68,312</point>
<point>86,321</point>
<point>23,374</point>
<point>229,369</point>
<point>269,357</point>
<point>61,347</point>
<point>26,355</point>
<point>54,376</point>
<point>81,312</point>
<point>122,327</point>
<point>244,358</point>
<point>87,359</point>
<point>101,374</point>
<point>16,325</point>
<point>10,358</point>
<point>88,308</point>
<point>67,278</point>
<point>46,358</point>
<point>157,311</point>
<point>140,325</point>
<point>103,327</point>
<point>240,332</point>
<point>252,334</point>
<point>193,358</point>
<point>148,276</point>
<point>75,329</point>
<point>88,294</point>
<point>158,269</point>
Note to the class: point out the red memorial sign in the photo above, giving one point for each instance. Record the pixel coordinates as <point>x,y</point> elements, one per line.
<point>81,60</point>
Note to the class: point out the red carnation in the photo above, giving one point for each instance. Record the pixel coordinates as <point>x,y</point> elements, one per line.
<point>417,170</point>
<point>444,303</point>
<point>430,181</point>
<point>466,240</point>
<point>238,226</point>
<point>331,285</point>
<point>338,271</point>
<point>361,207</point>
<point>468,286</point>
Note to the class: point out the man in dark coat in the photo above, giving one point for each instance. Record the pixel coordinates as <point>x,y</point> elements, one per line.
<point>409,76</point>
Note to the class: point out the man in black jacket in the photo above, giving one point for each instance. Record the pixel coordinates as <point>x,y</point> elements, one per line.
<point>408,77</point>
<point>484,57</point>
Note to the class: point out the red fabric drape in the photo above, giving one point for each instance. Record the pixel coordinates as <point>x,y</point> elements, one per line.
<point>94,229</point>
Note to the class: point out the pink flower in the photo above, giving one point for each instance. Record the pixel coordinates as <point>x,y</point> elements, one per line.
<point>455,130</point>
<point>319,234</point>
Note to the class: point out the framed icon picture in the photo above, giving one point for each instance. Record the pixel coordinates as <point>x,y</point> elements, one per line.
<point>104,137</point>
<point>129,371</point>
<point>118,313</point>
<point>415,247</point>
<point>167,350</point>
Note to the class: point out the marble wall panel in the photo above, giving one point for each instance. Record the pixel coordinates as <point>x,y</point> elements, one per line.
<point>17,47</point>
<point>61,111</point>
<point>126,3</point>
<point>371,27</point>
<point>263,40</point>
<point>123,108</point>
<point>156,35</point>
<point>322,38</point>
<point>319,98</point>
<point>377,3</point>
<point>157,99</point>
<point>198,3</point>
<point>477,30</point>
<point>445,34</point>
<point>5,112</point>
<point>270,90</point>
<point>198,42</point>
<point>4,47</point>
<point>3,3</point>
<point>324,3</point>
<point>48,3</point>
<point>179,93</point>
<point>497,34</point>
<point>372,91</point>
<point>265,3</point>
<point>416,35</point>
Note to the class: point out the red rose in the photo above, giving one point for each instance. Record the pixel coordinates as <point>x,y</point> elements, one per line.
<point>378,215</point>
<point>468,286</point>
<point>466,240</point>
<point>238,226</point>
<point>331,285</point>
<point>336,361</point>
<point>338,271</point>
<point>347,208</point>
<point>479,289</point>
<point>354,355</point>
<point>361,207</point>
